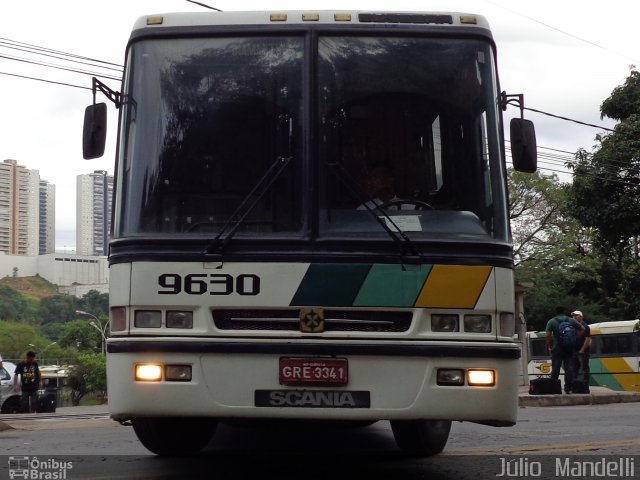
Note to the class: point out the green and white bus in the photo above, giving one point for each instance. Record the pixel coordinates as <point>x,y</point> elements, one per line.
<point>310,222</point>
<point>613,359</point>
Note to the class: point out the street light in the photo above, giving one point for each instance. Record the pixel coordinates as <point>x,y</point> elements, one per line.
<point>98,326</point>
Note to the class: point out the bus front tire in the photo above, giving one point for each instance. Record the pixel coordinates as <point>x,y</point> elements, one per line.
<point>174,436</point>
<point>421,438</point>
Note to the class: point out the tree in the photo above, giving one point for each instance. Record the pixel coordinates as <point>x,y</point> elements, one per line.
<point>17,338</point>
<point>605,193</point>
<point>58,309</point>
<point>13,305</point>
<point>552,250</point>
<point>88,375</point>
<point>606,196</point>
<point>95,303</point>
<point>544,231</point>
<point>79,334</point>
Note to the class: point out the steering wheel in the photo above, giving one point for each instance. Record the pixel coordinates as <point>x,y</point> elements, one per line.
<point>418,204</point>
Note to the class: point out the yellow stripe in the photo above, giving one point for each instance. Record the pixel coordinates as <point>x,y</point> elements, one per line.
<point>620,365</point>
<point>453,286</point>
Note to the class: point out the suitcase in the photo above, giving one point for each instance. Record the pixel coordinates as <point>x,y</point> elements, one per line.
<point>545,386</point>
<point>46,403</point>
<point>579,387</point>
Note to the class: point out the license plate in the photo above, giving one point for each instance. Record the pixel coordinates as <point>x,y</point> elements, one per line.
<point>313,371</point>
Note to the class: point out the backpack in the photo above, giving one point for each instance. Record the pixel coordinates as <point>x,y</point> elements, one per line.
<point>568,335</point>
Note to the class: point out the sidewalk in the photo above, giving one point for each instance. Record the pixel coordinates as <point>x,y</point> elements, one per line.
<point>598,396</point>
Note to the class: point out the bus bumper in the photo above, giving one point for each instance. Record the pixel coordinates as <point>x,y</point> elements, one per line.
<point>240,379</point>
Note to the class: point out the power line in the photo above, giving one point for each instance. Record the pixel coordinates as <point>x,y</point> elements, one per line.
<point>58,67</point>
<point>569,119</point>
<point>58,57</point>
<point>59,52</point>
<point>44,80</point>
<point>560,30</point>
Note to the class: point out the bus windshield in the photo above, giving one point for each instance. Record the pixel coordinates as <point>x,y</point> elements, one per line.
<point>405,129</point>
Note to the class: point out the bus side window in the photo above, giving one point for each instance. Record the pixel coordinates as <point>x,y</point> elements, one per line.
<point>608,345</point>
<point>625,345</point>
<point>539,347</point>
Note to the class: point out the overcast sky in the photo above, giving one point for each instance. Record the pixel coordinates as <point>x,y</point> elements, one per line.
<point>566,56</point>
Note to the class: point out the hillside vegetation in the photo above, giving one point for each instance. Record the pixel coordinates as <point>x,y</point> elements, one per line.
<point>31,286</point>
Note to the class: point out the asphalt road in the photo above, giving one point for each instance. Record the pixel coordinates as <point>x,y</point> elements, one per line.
<point>100,448</point>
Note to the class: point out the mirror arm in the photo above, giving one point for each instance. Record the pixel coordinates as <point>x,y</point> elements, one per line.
<point>516,100</point>
<point>115,97</point>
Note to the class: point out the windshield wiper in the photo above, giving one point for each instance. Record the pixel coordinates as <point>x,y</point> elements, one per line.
<point>237,218</point>
<point>407,249</point>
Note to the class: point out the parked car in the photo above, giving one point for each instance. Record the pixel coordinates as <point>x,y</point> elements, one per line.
<point>10,398</point>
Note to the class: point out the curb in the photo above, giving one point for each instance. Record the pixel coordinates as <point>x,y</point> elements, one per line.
<point>576,399</point>
<point>4,426</point>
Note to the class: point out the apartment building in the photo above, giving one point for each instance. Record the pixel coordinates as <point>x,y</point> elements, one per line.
<point>47,243</point>
<point>19,209</point>
<point>93,212</point>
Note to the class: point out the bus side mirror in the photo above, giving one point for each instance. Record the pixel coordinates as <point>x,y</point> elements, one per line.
<point>523,145</point>
<point>94,133</point>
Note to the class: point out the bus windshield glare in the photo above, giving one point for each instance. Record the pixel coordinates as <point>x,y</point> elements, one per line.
<point>403,128</point>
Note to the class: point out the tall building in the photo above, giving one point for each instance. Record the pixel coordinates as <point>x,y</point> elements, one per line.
<point>47,242</point>
<point>93,212</point>
<point>19,209</point>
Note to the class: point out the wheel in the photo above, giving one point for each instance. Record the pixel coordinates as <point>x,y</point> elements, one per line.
<point>174,436</point>
<point>11,405</point>
<point>421,438</point>
<point>418,204</point>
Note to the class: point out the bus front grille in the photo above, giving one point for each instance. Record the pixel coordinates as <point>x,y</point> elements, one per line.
<point>334,320</point>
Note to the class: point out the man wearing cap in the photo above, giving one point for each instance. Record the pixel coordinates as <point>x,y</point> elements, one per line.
<point>582,350</point>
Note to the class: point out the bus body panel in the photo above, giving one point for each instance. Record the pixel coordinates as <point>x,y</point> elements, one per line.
<point>224,385</point>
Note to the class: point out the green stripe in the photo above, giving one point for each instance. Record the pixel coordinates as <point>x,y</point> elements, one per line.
<point>330,285</point>
<point>392,286</point>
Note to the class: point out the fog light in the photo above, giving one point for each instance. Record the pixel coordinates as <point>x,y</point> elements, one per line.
<point>118,319</point>
<point>477,323</point>
<point>179,319</point>
<point>444,323</point>
<point>148,372</point>
<point>178,373</point>
<point>481,378</point>
<point>450,376</point>
<point>148,319</point>
<point>507,324</point>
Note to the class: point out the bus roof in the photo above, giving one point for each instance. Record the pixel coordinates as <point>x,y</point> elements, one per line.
<point>620,326</point>
<point>300,17</point>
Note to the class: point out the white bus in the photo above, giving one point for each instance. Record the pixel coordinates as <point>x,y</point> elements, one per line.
<point>310,222</point>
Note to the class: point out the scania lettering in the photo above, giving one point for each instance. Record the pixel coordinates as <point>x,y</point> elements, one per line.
<point>310,222</point>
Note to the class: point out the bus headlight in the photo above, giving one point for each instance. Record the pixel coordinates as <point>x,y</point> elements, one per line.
<point>179,319</point>
<point>148,372</point>
<point>477,323</point>
<point>148,319</point>
<point>444,323</point>
<point>481,378</point>
<point>507,324</point>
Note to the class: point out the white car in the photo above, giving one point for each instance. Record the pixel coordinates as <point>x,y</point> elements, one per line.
<point>9,398</point>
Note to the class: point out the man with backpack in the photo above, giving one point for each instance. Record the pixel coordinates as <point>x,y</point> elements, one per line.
<point>562,339</point>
